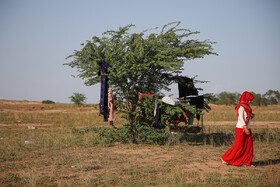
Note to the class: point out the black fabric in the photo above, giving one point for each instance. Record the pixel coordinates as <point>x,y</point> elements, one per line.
<point>197,117</point>
<point>198,102</point>
<point>158,114</point>
<point>186,87</point>
<point>103,105</point>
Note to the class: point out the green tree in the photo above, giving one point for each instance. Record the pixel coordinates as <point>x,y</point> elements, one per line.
<point>259,100</point>
<point>273,97</point>
<point>227,98</point>
<point>78,98</point>
<point>213,99</point>
<point>148,60</point>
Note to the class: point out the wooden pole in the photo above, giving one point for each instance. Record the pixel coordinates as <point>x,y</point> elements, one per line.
<point>202,123</point>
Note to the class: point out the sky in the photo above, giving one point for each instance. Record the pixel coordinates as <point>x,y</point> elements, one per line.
<point>36,36</point>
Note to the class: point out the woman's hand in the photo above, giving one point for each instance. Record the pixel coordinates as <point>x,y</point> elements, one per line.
<point>247,132</point>
<point>252,115</point>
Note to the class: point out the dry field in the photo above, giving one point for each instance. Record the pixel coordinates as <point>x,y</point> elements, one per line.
<point>52,154</point>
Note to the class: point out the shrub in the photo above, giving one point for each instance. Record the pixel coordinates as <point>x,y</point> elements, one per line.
<point>48,102</point>
<point>144,134</point>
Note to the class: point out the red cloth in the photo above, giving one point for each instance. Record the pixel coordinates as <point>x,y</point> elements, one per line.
<point>243,101</point>
<point>143,95</point>
<point>241,151</point>
<point>182,118</point>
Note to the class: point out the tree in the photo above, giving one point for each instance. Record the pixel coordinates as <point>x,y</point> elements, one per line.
<point>259,100</point>
<point>213,99</point>
<point>273,97</point>
<point>78,98</point>
<point>226,98</point>
<point>149,61</point>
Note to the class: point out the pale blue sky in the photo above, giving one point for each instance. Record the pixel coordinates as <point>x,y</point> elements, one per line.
<point>36,36</point>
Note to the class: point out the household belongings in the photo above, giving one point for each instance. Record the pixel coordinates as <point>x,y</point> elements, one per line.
<point>186,86</point>
<point>103,105</point>
<point>170,101</point>
<point>111,107</point>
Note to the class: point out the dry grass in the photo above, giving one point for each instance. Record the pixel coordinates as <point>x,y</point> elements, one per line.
<point>59,157</point>
<point>227,113</point>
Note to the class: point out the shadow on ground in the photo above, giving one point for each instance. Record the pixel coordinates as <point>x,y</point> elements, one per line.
<point>266,162</point>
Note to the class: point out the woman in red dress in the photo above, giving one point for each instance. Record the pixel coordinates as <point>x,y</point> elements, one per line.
<point>241,151</point>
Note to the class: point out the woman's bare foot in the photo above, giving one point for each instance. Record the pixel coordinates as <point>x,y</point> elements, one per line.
<point>224,162</point>
<point>252,166</point>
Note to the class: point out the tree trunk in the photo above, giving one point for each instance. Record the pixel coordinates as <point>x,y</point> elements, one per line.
<point>132,122</point>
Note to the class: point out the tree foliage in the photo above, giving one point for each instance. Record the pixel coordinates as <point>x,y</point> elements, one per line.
<point>147,60</point>
<point>226,98</point>
<point>271,97</point>
<point>78,98</point>
<point>48,102</point>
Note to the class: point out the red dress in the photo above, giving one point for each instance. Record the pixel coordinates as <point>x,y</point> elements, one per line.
<point>241,151</point>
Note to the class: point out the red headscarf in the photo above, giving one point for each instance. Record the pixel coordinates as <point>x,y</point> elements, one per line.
<point>243,101</point>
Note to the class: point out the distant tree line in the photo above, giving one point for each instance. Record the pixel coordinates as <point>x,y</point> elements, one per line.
<point>271,97</point>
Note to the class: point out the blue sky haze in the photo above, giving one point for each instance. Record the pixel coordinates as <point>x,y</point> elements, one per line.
<point>36,37</point>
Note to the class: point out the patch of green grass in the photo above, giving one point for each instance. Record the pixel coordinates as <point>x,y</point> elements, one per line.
<point>11,178</point>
